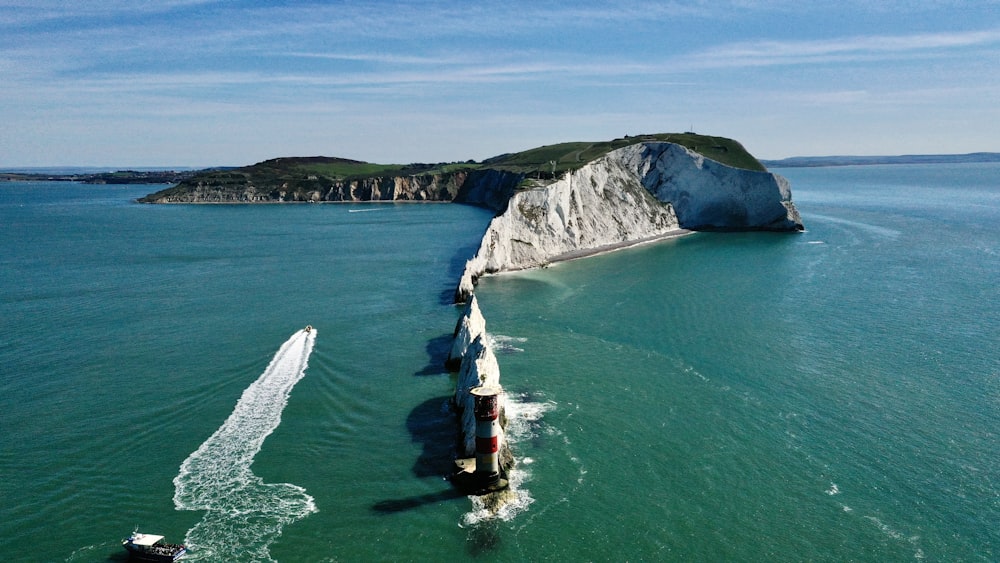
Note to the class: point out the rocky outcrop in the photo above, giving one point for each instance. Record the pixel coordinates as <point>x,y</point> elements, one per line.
<point>637,193</point>
<point>477,366</point>
<point>469,326</point>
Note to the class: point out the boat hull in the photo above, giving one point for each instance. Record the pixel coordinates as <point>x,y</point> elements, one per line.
<point>164,553</point>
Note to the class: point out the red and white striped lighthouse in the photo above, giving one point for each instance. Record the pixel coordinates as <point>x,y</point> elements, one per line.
<point>487,412</point>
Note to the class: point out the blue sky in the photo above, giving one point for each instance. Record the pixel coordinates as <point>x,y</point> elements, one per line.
<point>205,82</point>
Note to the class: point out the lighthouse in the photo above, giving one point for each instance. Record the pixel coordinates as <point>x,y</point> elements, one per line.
<point>487,434</point>
<point>481,475</point>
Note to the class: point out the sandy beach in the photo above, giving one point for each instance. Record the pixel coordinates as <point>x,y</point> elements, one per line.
<point>585,252</point>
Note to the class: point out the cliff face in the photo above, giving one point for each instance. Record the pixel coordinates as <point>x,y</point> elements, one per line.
<point>426,187</point>
<point>640,192</point>
<point>708,195</point>
<point>434,187</point>
<point>488,188</point>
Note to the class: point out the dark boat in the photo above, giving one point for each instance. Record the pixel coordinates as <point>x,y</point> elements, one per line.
<point>150,547</point>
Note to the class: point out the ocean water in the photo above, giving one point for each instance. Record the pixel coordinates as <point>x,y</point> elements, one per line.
<point>831,395</point>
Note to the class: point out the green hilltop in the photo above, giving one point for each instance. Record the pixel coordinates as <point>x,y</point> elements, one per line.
<point>570,156</point>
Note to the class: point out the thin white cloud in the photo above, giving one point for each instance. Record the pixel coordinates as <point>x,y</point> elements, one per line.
<point>826,98</point>
<point>445,18</point>
<point>23,73</point>
<point>524,68</point>
<point>860,101</point>
<point>51,9</point>
<point>768,53</point>
<point>376,57</point>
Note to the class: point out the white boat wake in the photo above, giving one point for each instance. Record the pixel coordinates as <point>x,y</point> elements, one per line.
<point>244,514</point>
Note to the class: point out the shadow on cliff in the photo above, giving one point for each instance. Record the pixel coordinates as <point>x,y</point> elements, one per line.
<point>432,424</point>
<point>456,266</point>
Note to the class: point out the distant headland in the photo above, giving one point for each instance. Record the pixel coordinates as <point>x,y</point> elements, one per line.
<point>553,205</point>
<point>489,182</point>
<point>88,175</point>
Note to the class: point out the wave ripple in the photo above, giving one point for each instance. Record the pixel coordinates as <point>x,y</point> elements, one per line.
<point>244,514</point>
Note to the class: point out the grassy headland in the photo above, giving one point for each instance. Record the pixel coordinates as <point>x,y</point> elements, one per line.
<point>293,178</point>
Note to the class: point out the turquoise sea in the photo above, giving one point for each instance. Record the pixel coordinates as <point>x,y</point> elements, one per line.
<point>832,395</point>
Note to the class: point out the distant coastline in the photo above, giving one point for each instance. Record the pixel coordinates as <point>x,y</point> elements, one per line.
<point>96,176</point>
<point>810,161</point>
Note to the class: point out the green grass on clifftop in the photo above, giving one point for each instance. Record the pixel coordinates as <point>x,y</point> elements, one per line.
<point>570,156</point>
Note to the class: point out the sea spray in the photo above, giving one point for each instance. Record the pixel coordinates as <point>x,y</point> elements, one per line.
<point>506,344</point>
<point>244,515</point>
<point>523,421</point>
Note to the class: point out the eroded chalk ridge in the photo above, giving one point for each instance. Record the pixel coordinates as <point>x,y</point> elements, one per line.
<point>472,353</point>
<point>244,515</point>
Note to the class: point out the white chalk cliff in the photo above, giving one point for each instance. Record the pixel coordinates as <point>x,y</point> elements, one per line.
<point>640,192</point>
<point>706,194</point>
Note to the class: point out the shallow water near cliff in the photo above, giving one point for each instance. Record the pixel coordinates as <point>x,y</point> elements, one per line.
<point>829,395</point>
